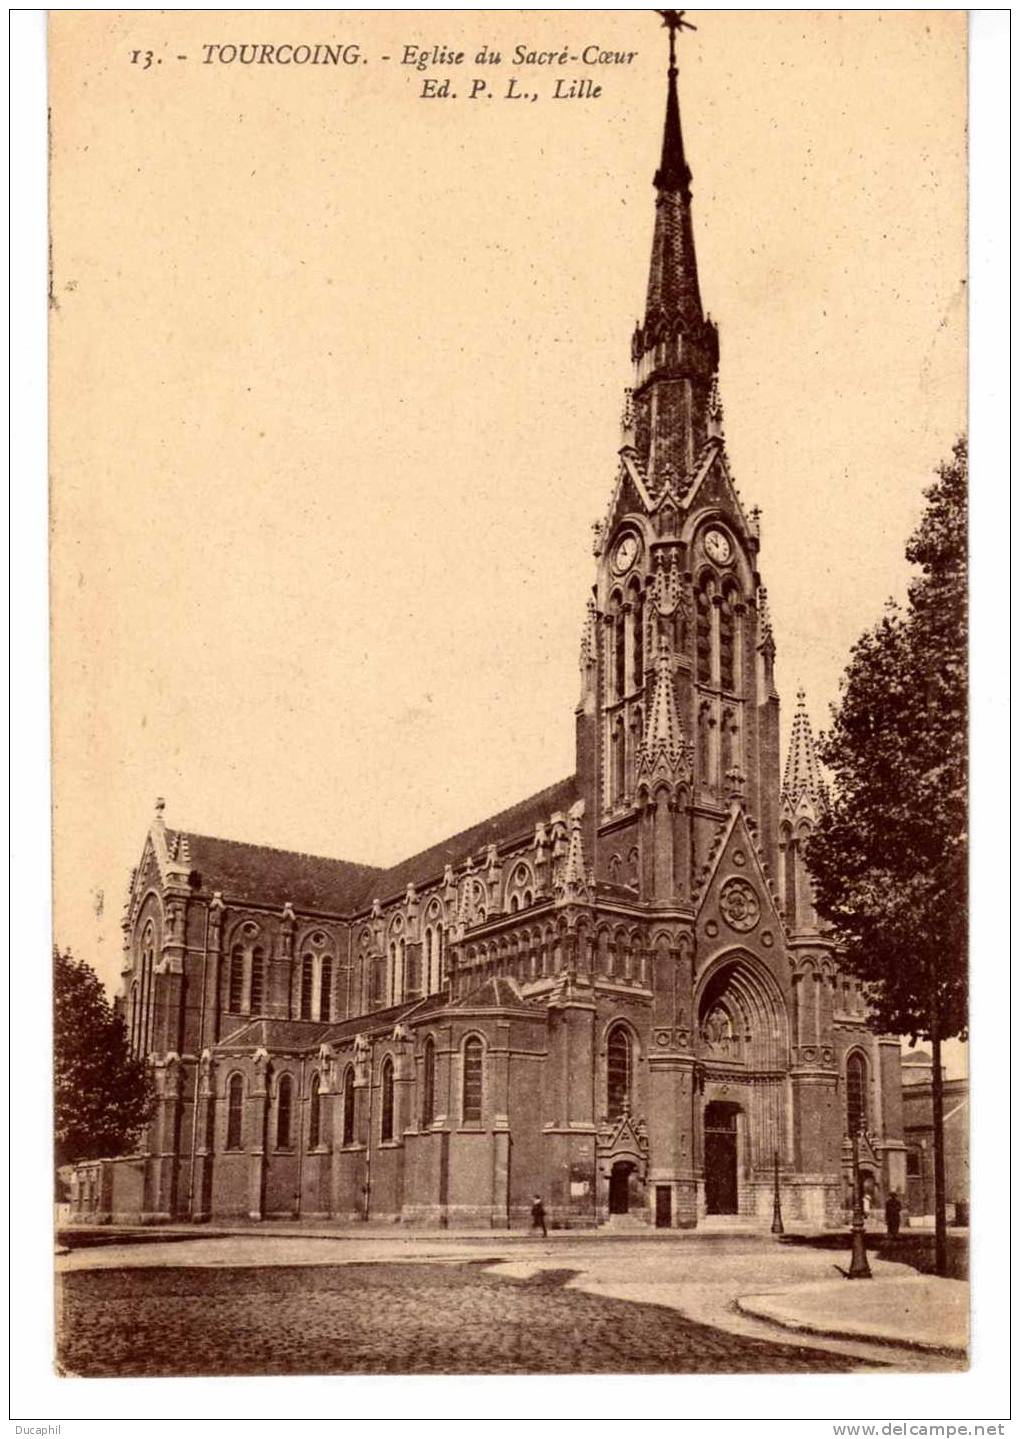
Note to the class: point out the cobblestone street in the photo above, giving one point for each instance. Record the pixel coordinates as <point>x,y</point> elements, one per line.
<point>387,1318</point>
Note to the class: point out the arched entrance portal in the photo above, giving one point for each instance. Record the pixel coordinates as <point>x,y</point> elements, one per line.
<point>721,1196</point>
<point>619,1186</point>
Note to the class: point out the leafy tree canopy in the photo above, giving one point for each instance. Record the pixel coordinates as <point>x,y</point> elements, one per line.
<point>889,858</point>
<point>102,1094</point>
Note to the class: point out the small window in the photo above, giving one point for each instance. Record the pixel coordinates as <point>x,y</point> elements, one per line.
<point>913,1164</point>
<point>315,1115</point>
<point>284,1110</point>
<point>307,982</point>
<point>378,982</point>
<point>412,971</point>
<point>386,1132</point>
<point>258,980</point>
<point>471,1101</point>
<point>348,1116</point>
<point>235,999</point>
<point>856,1095</point>
<point>235,1110</point>
<point>617,1072</point>
<point>428,1085</point>
<point>326,989</point>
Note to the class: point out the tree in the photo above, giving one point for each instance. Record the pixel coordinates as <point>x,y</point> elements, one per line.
<point>889,858</point>
<point>103,1095</point>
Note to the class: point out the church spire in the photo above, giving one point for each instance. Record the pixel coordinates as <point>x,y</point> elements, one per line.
<point>802,780</point>
<point>673,296</point>
<point>675,349</point>
<point>673,172</point>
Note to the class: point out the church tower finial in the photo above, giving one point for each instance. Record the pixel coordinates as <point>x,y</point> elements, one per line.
<point>673,172</point>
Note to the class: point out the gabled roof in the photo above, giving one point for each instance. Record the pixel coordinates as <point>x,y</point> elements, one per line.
<point>261,874</point>
<point>496,993</point>
<point>290,1035</point>
<point>713,483</point>
<point>275,876</point>
<point>735,825</point>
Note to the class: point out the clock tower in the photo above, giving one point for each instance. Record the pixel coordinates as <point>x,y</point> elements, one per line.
<point>679,715</point>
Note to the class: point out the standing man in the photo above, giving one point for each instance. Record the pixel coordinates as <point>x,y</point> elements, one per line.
<point>538,1216</point>
<point>893,1209</point>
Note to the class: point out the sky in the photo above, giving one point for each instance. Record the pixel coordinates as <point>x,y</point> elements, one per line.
<point>336,380</point>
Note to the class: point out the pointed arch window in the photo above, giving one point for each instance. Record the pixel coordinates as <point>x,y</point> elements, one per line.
<point>618,1072</point>
<point>620,652</point>
<point>258,980</point>
<point>307,986</point>
<point>235,997</point>
<point>618,760</point>
<point>326,988</point>
<point>378,982</point>
<point>703,632</point>
<point>412,974</point>
<point>705,746</point>
<point>856,1094</point>
<point>729,741</point>
<point>428,1084</point>
<point>347,1130</point>
<point>639,638</point>
<point>315,1114</point>
<point>727,642</point>
<point>386,1101</point>
<point>790,879</point>
<point>284,1111</point>
<point>235,1110</point>
<point>471,1090</point>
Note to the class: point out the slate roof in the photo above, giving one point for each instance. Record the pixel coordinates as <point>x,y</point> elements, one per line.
<point>274,876</point>
<point>263,875</point>
<point>517,821</point>
<point>294,1035</point>
<point>500,992</point>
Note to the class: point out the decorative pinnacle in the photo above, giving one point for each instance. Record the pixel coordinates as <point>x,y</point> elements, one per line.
<point>665,746</point>
<point>802,778</point>
<point>765,636</point>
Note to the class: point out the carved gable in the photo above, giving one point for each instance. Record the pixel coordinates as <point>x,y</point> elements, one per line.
<point>735,903</point>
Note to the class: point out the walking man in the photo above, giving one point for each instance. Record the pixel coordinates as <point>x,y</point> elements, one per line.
<point>538,1216</point>
<point>893,1209</point>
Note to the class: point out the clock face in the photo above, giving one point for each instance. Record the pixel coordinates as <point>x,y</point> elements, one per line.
<point>718,547</point>
<point>626,553</point>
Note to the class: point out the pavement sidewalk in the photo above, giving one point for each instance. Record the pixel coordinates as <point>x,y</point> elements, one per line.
<point>914,1311</point>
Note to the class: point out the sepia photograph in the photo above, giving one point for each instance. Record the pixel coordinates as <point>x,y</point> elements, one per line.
<point>509,663</point>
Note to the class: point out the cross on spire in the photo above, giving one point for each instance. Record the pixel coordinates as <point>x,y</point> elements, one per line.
<point>674,20</point>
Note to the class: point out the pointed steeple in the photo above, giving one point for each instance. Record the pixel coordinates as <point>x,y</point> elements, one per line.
<point>665,750</point>
<point>673,297</point>
<point>673,172</point>
<point>802,780</point>
<point>675,349</point>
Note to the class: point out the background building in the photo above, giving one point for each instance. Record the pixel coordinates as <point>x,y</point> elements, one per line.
<point>919,1135</point>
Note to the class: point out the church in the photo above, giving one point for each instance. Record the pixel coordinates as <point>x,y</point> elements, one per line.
<point>614,995</point>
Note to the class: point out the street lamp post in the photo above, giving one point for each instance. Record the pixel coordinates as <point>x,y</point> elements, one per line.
<point>777,1208</point>
<point>859,1267</point>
